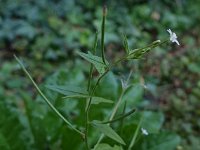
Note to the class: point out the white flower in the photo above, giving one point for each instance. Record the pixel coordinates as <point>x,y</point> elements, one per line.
<point>144,131</point>
<point>173,37</point>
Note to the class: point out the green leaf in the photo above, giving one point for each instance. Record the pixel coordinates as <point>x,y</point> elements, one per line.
<point>98,100</point>
<point>67,89</point>
<point>152,121</point>
<point>165,140</point>
<point>3,144</point>
<point>108,131</point>
<point>134,94</point>
<point>95,100</point>
<point>125,42</point>
<point>109,87</point>
<point>104,146</point>
<point>10,127</point>
<point>95,60</point>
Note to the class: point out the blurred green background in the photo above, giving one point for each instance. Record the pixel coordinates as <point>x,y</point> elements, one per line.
<point>46,34</point>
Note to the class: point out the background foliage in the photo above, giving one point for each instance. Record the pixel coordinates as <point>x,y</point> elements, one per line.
<point>47,34</point>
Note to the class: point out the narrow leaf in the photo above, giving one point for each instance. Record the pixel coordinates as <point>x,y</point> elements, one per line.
<point>98,100</point>
<point>76,96</point>
<point>67,89</point>
<point>95,100</point>
<point>95,60</point>
<point>108,131</point>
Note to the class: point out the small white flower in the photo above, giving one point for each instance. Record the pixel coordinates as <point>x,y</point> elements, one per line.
<point>173,37</point>
<point>144,131</point>
<point>145,86</point>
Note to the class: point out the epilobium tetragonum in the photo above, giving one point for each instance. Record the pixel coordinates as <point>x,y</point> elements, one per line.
<point>173,37</point>
<point>144,131</point>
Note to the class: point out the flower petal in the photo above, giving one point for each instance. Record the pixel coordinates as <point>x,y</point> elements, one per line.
<point>144,131</point>
<point>173,37</point>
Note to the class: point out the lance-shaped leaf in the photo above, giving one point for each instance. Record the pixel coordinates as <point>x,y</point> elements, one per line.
<point>67,89</point>
<point>95,100</point>
<point>108,131</point>
<point>95,60</point>
<point>98,100</point>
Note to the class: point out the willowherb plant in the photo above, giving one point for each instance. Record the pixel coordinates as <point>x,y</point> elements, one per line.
<point>103,67</point>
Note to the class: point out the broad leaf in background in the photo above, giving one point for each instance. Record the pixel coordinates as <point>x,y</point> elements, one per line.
<point>108,131</point>
<point>95,60</point>
<point>108,147</point>
<point>134,95</point>
<point>162,141</point>
<point>11,130</point>
<point>67,89</point>
<point>108,87</point>
<point>3,143</point>
<point>152,121</point>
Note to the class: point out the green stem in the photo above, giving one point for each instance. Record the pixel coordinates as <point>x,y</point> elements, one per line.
<point>88,89</point>
<point>117,105</point>
<point>102,34</point>
<point>112,115</point>
<point>90,99</point>
<point>121,117</point>
<point>153,45</point>
<point>89,105</point>
<point>135,136</point>
<point>122,121</point>
<point>91,66</point>
<point>46,100</point>
<point>90,77</point>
